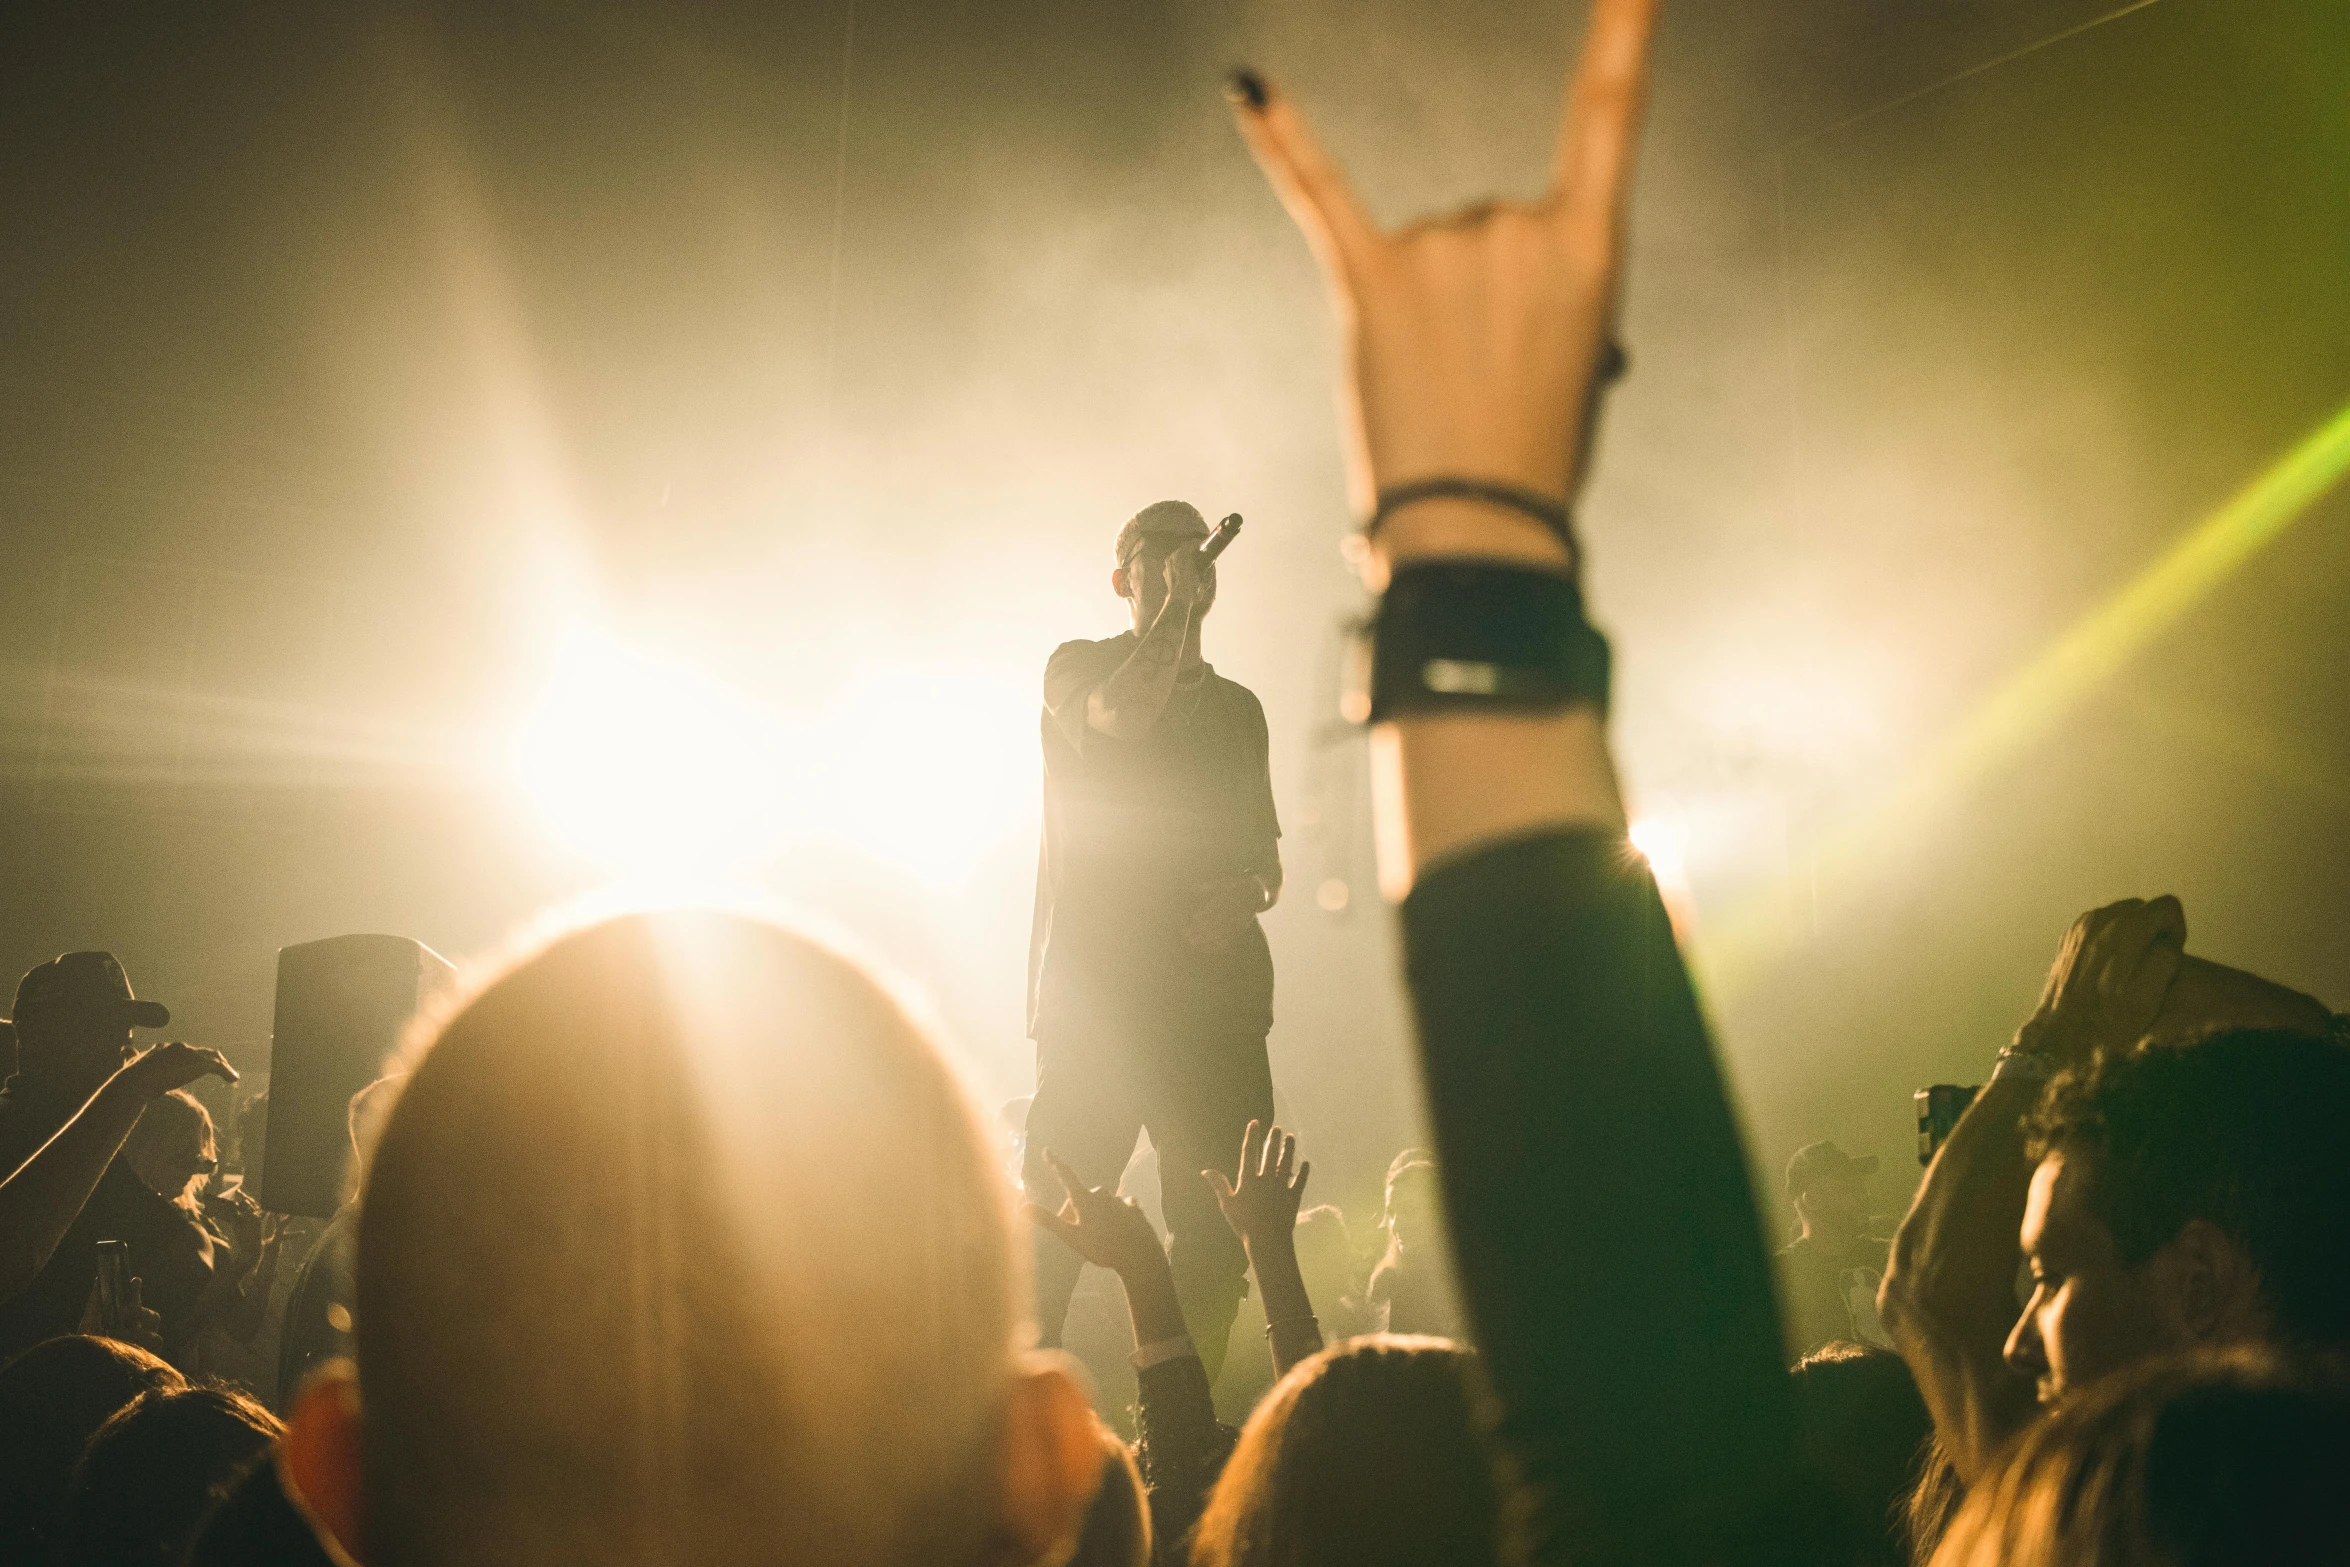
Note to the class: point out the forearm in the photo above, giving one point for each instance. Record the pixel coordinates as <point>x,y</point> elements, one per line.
<point>1129,703</point>
<point>1180,1446</point>
<point>1152,1305</point>
<point>1948,1299</point>
<point>1290,1329</point>
<point>1564,1057</point>
<point>40,1201</point>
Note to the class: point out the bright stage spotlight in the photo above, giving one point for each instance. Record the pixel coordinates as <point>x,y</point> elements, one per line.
<point>1663,846</point>
<point>648,764</point>
<point>942,766</point>
<point>658,770</point>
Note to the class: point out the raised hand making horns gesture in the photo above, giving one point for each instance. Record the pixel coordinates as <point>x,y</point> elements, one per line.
<point>1474,341</point>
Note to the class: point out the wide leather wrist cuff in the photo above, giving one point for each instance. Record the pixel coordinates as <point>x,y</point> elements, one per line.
<point>1468,636</point>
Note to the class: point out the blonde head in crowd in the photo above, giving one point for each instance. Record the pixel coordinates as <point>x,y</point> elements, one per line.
<point>682,1244</point>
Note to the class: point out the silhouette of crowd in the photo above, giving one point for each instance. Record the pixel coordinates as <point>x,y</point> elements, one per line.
<point>679,1240</point>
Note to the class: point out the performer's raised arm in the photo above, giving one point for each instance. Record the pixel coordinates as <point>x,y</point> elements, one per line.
<point>1163,578</point>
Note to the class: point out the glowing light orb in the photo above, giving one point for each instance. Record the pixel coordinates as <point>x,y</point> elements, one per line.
<point>933,766</point>
<point>1662,844</point>
<point>657,769</point>
<point>649,764</point>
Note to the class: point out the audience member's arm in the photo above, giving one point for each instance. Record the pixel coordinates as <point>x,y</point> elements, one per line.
<point>242,1272</point>
<point>1611,1256</point>
<point>1262,1210</point>
<point>1182,1446</point>
<point>42,1198</point>
<point>1128,704</point>
<point>1949,1293</point>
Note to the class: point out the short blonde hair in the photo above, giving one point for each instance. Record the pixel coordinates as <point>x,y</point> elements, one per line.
<point>683,1243</point>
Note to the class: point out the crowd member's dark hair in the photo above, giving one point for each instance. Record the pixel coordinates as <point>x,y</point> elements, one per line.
<point>1365,1455</point>
<point>2243,1128</point>
<point>1117,1530</point>
<point>2207,1459</point>
<point>51,1398</point>
<point>154,1472</point>
<point>257,1525</point>
<point>1865,1434</point>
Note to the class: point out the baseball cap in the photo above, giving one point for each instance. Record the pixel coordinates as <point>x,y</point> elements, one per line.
<point>89,984</point>
<point>1169,520</point>
<point>1816,1164</point>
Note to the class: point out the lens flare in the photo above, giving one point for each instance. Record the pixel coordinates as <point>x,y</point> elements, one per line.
<point>655,768</point>
<point>649,764</point>
<point>1663,845</point>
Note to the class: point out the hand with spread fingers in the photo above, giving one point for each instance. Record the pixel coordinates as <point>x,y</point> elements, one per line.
<point>1263,1204</point>
<point>1475,341</point>
<point>2112,971</point>
<point>1262,1208</point>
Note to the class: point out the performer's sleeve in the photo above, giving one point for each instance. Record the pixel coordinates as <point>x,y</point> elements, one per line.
<point>1609,1250</point>
<point>1074,672</point>
<point>1180,1448</point>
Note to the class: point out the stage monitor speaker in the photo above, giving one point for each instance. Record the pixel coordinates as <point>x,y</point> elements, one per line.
<point>342,1006</point>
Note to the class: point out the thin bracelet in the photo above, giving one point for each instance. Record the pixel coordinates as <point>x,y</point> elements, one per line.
<point>1308,1319</point>
<point>1552,514</point>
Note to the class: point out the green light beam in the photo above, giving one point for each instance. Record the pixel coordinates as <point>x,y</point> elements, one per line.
<point>2035,698</point>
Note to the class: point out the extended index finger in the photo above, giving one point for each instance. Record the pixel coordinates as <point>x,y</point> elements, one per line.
<point>1602,120</point>
<point>1307,179</point>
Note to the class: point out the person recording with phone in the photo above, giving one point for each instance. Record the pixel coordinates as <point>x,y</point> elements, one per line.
<point>77,1093</point>
<point>1150,981</point>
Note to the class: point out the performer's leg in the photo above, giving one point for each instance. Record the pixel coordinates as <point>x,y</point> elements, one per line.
<point>1206,1093</point>
<point>1086,1111</point>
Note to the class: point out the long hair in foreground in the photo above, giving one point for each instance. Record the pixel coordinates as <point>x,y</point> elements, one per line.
<point>682,1244</point>
<point>2203,1460</point>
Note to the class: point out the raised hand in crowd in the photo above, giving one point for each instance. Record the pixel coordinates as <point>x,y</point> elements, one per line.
<point>1110,1232</point>
<point>164,1068</point>
<point>1261,1206</point>
<point>1474,346</point>
<point>1948,1298</point>
<point>1561,1044</point>
<point>1182,1446</point>
<point>2112,973</point>
<point>40,1200</point>
<point>132,1321</point>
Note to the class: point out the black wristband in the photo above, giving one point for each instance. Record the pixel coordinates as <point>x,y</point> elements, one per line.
<point>1468,636</point>
<point>1552,514</point>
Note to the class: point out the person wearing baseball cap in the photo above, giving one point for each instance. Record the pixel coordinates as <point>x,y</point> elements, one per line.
<point>78,1090</point>
<point>1150,983</point>
<point>1829,1273</point>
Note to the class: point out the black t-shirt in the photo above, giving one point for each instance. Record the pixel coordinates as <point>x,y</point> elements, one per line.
<point>170,1253</point>
<point>1133,831</point>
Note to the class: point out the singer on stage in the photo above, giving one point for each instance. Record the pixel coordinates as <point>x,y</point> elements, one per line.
<point>1150,984</point>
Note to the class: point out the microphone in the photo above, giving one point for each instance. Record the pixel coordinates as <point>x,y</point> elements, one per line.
<point>1219,541</point>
